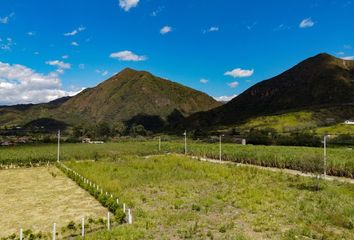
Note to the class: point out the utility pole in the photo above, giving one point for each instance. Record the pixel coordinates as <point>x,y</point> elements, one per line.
<point>325,154</point>
<point>58,153</point>
<point>220,147</point>
<point>185,142</point>
<point>159,144</point>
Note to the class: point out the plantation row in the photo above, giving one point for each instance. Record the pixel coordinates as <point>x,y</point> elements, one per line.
<point>177,198</point>
<point>340,161</point>
<point>105,199</point>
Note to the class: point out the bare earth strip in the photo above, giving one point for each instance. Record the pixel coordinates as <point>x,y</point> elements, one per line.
<point>35,198</point>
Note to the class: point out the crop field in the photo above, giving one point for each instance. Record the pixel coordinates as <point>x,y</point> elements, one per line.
<point>35,198</point>
<point>174,197</point>
<point>340,161</point>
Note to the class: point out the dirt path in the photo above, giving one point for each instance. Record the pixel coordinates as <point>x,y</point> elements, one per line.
<point>288,171</point>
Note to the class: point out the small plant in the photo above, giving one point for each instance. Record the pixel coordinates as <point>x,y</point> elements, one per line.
<point>196,207</point>
<point>120,216</point>
<point>222,229</point>
<point>71,226</point>
<point>210,235</point>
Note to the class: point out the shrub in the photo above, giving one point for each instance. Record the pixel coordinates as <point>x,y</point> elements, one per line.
<point>71,225</point>
<point>195,207</point>
<point>120,216</point>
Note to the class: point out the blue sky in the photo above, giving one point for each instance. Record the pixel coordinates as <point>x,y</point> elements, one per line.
<point>50,49</point>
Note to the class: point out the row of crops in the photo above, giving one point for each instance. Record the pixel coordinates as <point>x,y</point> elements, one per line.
<point>340,161</point>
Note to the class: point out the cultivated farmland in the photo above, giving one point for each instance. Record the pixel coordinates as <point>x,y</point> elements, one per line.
<point>340,161</point>
<point>35,198</point>
<point>174,197</point>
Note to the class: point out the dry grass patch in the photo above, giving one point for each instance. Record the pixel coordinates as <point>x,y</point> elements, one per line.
<point>35,198</point>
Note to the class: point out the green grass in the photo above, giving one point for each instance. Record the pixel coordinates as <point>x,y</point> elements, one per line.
<point>43,153</point>
<point>174,197</point>
<point>307,159</point>
<point>297,121</point>
<point>283,123</point>
<point>336,129</point>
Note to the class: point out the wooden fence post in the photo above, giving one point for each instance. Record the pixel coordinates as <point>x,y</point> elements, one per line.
<point>54,231</point>
<point>108,221</point>
<point>21,234</point>
<point>130,217</point>
<point>83,228</point>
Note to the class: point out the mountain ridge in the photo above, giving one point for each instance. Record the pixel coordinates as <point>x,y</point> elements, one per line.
<point>127,94</point>
<point>321,80</point>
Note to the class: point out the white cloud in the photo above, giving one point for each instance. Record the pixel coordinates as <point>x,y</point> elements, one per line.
<point>340,53</point>
<point>165,30</point>
<point>127,56</point>
<point>36,53</point>
<point>31,34</point>
<point>74,44</point>
<point>281,27</point>
<point>157,11</point>
<point>59,64</point>
<point>233,84</point>
<point>239,73</point>
<point>211,29</point>
<point>102,72</point>
<point>225,98</point>
<point>306,23</point>
<point>20,84</point>
<point>203,80</point>
<point>348,58</point>
<point>75,31</point>
<point>65,57</point>
<point>250,27</point>
<point>6,19</point>
<point>6,44</point>
<point>128,4</point>
<point>347,46</point>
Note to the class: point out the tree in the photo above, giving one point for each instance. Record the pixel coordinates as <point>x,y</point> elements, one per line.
<point>103,130</point>
<point>138,130</point>
<point>119,129</point>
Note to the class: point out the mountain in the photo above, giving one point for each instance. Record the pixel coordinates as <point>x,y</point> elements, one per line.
<point>128,96</point>
<point>318,83</point>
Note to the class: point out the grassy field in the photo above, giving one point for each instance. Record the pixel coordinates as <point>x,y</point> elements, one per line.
<point>340,161</point>
<point>307,159</point>
<point>283,123</point>
<point>296,121</point>
<point>175,197</point>
<point>336,129</point>
<point>35,198</point>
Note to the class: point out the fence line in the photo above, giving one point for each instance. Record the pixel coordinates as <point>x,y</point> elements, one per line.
<point>89,186</point>
<point>107,199</point>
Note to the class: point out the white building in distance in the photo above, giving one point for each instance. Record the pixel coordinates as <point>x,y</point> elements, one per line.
<point>349,122</point>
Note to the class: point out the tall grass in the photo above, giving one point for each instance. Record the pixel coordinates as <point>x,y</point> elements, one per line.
<point>340,161</point>
<point>175,198</point>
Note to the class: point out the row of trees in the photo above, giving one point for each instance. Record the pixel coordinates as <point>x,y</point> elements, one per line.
<point>104,131</point>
